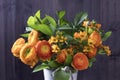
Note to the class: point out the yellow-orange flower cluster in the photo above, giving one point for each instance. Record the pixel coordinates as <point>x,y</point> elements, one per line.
<point>81,35</point>
<point>32,50</point>
<point>26,51</point>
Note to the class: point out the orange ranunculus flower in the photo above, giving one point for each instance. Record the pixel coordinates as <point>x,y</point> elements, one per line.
<point>80,61</point>
<point>28,55</point>
<point>44,50</point>
<point>62,56</point>
<point>96,38</point>
<point>92,52</point>
<point>18,44</point>
<point>33,38</point>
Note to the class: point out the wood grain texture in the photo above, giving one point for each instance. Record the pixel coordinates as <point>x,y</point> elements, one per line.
<point>14,14</point>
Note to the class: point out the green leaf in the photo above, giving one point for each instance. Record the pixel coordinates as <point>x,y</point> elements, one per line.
<point>79,18</point>
<point>44,21</point>
<point>69,37</point>
<point>106,35</point>
<point>65,27</point>
<point>91,61</point>
<point>52,28</point>
<point>51,20</point>
<point>43,28</point>
<point>37,14</point>
<point>63,22</point>
<point>25,35</point>
<point>41,67</point>
<point>31,21</point>
<point>101,52</point>
<point>90,64</point>
<point>68,60</point>
<point>90,30</point>
<point>85,42</point>
<point>61,75</point>
<point>53,64</point>
<point>61,14</point>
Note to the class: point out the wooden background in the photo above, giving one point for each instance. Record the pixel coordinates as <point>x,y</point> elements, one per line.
<point>13,17</point>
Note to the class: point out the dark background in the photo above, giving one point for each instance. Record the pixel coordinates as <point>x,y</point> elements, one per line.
<point>13,17</point>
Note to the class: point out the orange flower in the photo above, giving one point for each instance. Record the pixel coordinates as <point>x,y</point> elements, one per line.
<point>92,52</point>
<point>96,38</point>
<point>44,50</point>
<point>85,23</point>
<point>53,40</point>
<point>18,44</point>
<point>98,26</point>
<point>83,35</point>
<point>55,48</point>
<point>80,61</point>
<point>28,55</point>
<point>33,38</point>
<point>107,50</point>
<point>76,35</point>
<point>62,56</point>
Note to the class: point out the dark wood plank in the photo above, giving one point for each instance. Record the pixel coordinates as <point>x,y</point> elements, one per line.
<point>2,44</point>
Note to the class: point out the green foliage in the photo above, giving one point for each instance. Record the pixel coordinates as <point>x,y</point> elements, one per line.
<point>68,60</point>
<point>31,21</point>
<point>25,35</point>
<point>91,61</point>
<point>61,14</point>
<point>106,35</point>
<point>41,67</point>
<point>101,51</point>
<point>61,75</point>
<point>37,14</point>
<point>53,64</point>
<point>79,18</point>
<point>51,20</point>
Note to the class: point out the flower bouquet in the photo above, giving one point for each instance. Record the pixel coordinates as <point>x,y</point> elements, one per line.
<point>60,45</point>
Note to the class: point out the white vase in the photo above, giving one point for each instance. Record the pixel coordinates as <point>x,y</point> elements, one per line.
<point>48,75</point>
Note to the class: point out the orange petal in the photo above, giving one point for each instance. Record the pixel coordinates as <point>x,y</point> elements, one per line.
<point>92,52</point>
<point>33,38</point>
<point>95,36</point>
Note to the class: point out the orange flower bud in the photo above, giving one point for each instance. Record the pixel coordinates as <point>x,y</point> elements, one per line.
<point>62,56</point>
<point>92,52</point>
<point>96,38</point>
